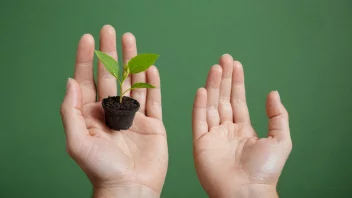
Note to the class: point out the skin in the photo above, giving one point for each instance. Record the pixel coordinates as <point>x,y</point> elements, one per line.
<point>230,159</point>
<point>128,163</point>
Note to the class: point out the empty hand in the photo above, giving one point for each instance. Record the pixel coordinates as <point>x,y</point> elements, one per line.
<point>231,161</point>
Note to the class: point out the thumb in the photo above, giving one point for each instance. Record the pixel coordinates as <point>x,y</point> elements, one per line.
<point>278,118</point>
<point>71,114</point>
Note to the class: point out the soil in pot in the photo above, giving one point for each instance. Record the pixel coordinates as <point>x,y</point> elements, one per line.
<point>119,116</point>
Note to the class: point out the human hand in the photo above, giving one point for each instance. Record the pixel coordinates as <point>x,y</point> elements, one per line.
<point>126,163</point>
<point>231,161</point>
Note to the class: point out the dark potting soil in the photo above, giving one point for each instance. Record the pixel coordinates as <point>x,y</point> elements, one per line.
<point>128,104</point>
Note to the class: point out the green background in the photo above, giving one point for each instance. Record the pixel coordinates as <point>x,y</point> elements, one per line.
<point>301,48</point>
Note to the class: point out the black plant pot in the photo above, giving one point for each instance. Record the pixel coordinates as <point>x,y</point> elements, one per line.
<point>119,116</point>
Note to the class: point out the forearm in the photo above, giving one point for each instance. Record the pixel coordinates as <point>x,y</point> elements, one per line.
<point>130,191</point>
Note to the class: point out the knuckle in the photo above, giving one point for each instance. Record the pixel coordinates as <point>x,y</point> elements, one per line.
<point>139,93</point>
<point>70,151</point>
<point>286,114</point>
<point>86,83</point>
<point>107,75</point>
<point>289,145</point>
<point>225,105</point>
<point>73,148</point>
<point>84,64</point>
<point>212,108</point>
<point>156,103</point>
<point>224,101</point>
<point>224,98</point>
<point>236,101</point>
<point>63,110</point>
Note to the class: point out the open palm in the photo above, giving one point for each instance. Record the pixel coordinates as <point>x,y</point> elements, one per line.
<point>137,156</point>
<point>230,159</point>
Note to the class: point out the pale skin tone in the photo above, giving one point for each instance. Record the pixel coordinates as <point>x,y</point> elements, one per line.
<point>231,161</point>
<point>128,163</point>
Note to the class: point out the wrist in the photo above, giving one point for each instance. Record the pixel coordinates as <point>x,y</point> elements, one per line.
<point>125,190</point>
<point>245,191</point>
<point>256,191</point>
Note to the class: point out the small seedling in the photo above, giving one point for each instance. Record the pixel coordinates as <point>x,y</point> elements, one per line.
<point>136,65</point>
<point>120,110</point>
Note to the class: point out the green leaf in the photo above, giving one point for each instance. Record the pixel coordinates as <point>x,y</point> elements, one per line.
<point>141,85</point>
<point>141,62</point>
<point>138,85</point>
<point>109,62</point>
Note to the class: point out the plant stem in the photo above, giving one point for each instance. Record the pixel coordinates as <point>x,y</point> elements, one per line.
<point>121,95</point>
<point>121,91</point>
<point>126,91</point>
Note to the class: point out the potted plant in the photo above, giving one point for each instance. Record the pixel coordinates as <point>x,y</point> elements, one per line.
<point>120,110</point>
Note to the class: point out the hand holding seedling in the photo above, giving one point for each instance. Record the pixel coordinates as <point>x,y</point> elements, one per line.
<point>125,163</point>
<point>231,161</point>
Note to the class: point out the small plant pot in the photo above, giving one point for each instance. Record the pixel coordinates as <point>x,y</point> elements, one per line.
<point>119,116</point>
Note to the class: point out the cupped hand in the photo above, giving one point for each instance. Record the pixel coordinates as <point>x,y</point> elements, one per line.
<point>131,162</point>
<point>230,159</point>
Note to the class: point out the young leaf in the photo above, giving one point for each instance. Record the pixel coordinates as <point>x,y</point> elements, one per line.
<point>138,85</point>
<point>109,62</point>
<point>141,62</point>
<point>141,85</point>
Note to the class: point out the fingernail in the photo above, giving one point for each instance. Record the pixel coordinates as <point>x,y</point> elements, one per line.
<point>68,85</point>
<point>129,37</point>
<point>111,30</point>
<point>89,38</point>
<point>277,92</point>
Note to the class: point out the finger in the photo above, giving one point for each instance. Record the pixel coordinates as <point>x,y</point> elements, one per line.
<point>213,90</point>
<point>225,108</point>
<point>153,107</point>
<point>129,50</point>
<point>73,121</point>
<point>238,95</point>
<point>199,122</point>
<point>140,126</point>
<point>139,94</point>
<point>84,68</point>
<point>278,117</point>
<point>107,82</point>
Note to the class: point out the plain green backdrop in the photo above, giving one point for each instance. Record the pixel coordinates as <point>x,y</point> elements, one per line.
<point>301,48</point>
